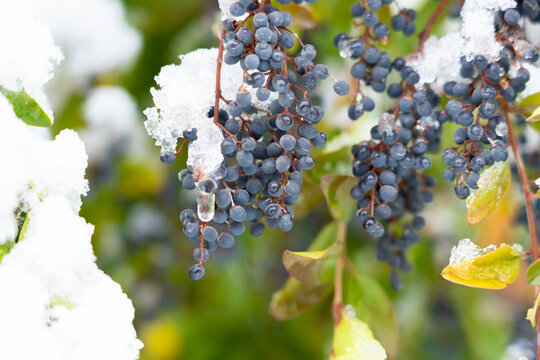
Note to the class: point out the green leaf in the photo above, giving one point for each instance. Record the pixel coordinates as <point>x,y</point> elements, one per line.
<point>311,267</point>
<point>337,191</point>
<point>335,162</point>
<point>531,313</point>
<point>533,273</point>
<point>534,119</point>
<point>294,298</point>
<point>494,270</point>
<point>492,186</point>
<point>5,248</point>
<point>353,339</point>
<point>374,307</point>
<point>531,100</point>
<point>24,227</point>
<point>26,108</point>
<point>316,265</point>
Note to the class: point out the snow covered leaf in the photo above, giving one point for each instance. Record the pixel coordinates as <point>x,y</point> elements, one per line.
<point>492,186</point>
<point>488,268</point>
<point>314,266</point>
<point>294,298</point>
<point>353,340</point>
<point>374,307</point>
<point>337,190</point>
<point>26,108</point>
<point>533,273</point>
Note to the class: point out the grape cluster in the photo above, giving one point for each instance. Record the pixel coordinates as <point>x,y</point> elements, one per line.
<point>268,128</point>
<point>373,66</point>
<point>392,188</point>
<point>479,105</point>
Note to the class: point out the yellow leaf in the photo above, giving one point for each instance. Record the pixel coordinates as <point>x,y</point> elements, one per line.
<point>531,313</point>
<point>162,340</point>
<point>353,340</point>
<point>492,186</point>
<point>535,116</point>
<point>487,269</point>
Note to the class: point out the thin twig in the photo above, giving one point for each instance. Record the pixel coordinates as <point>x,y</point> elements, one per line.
<point>528,195</point>
<point>424,35</point>
<point>218,78</point>
<point>337,304</point>
<point>526,189</point>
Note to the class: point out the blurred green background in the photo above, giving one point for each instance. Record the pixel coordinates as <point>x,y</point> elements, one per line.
<point>135,201</point>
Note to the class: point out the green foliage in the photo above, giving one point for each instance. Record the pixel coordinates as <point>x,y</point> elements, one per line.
<point>374,307</point>
<point>295,297</point>
<point>5,248</point>
<point>533,273</point>
<point>26,108</point>
<point>337,190</point>
<point>354,340</point>
<point>310,275</point>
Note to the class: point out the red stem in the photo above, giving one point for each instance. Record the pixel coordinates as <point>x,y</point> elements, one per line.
<point>218,79</point>
<point>529,196</point>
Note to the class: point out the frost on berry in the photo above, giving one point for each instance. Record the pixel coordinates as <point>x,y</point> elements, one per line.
<point>185,94</point>
<point>440,60</point>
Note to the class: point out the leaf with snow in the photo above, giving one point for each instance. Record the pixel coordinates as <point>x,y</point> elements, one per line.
<point>492,186</point>
<point>78,310</point>
<point>489,268</point>
<point>353,340</point>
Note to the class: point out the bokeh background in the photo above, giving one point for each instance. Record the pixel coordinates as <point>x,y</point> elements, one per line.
<point>135,202</point>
